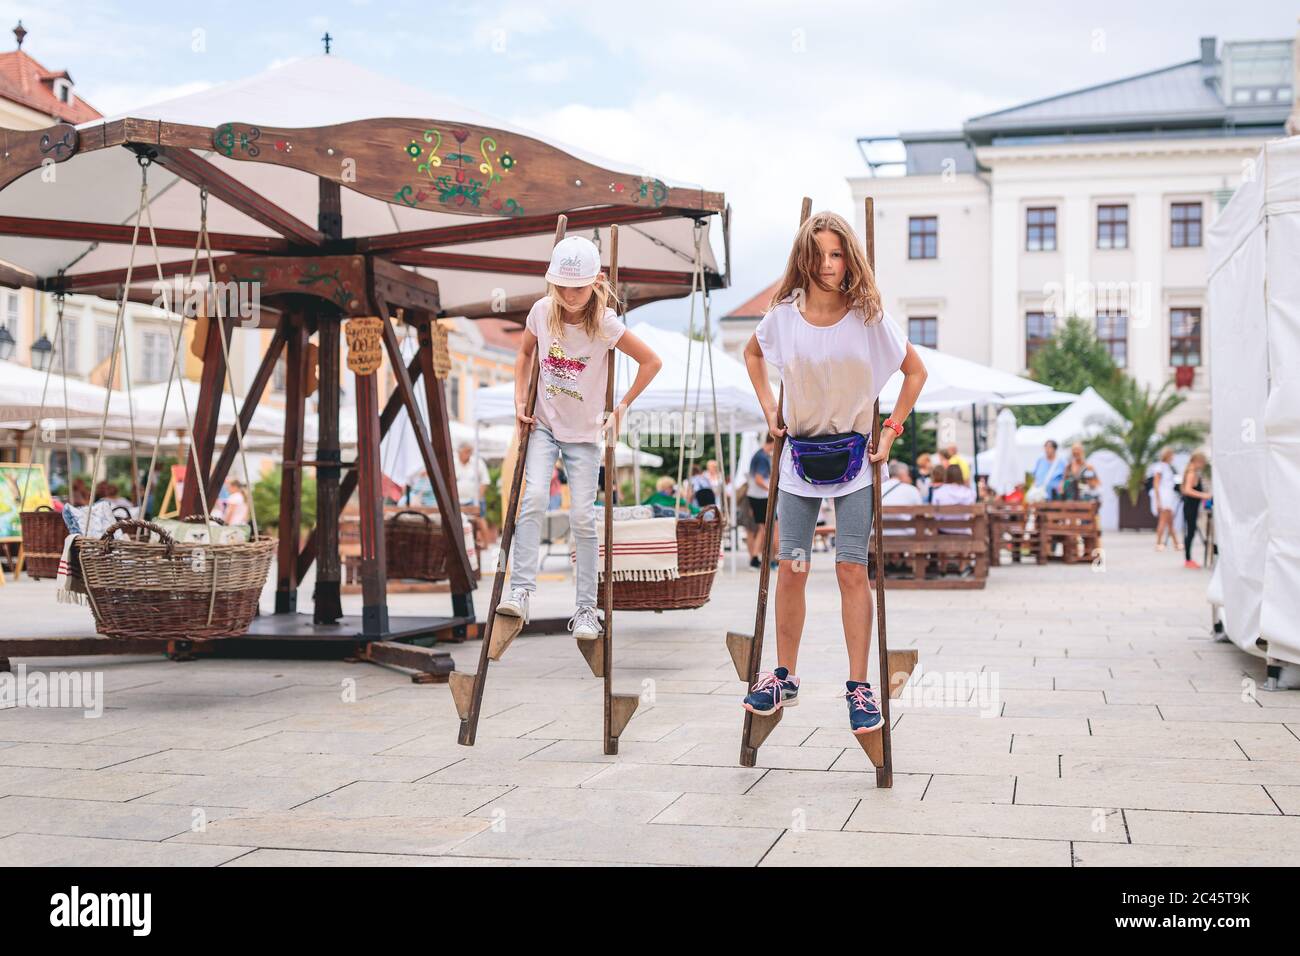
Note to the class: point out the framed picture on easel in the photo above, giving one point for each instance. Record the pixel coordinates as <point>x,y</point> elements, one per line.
<point>19,493</point>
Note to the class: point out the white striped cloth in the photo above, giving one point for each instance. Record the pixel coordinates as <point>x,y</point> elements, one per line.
<point>645,549</point>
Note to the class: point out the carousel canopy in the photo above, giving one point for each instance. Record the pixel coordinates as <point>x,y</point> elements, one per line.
<point>430,188</point>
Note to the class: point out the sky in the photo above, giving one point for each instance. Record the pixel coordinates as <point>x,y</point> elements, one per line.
<point>762,100</point>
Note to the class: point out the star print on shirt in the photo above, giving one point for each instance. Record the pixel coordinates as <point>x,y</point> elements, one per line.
<point>559,371</point>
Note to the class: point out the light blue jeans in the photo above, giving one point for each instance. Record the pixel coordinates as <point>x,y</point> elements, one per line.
<point>582,466</point>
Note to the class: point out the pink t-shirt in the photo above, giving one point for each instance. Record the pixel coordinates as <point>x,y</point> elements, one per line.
<point>571,386</point>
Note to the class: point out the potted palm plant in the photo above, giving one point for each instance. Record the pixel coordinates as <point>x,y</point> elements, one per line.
<point>1138,440</point>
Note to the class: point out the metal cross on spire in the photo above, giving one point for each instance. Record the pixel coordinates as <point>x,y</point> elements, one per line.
<point>326,39</point>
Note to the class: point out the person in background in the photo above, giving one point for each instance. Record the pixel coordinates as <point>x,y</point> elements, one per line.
<point>954,491</point>
<point>1193,493</point>
<point>665,496</point>
<point>701,489</point>
<point>236,510</point>
<point>1165,498</point>
<point>556,498</point>
<point>982,491</point>
<point>713,471</point>
<point>1049,471</point>
<point>1081,482</point>
<point>923,468</point>
<point>760,481</point>
<point>471,489</point>
<point>898,489</point>
<point>956,459</point>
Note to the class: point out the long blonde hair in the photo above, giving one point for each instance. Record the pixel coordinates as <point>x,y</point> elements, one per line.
<point>804,266</point>
<point>593,313</point>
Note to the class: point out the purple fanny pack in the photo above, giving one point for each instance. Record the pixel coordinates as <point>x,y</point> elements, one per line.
<point>828,459</point>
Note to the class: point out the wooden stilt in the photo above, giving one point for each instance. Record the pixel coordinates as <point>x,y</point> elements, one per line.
<point>738,647</point>
<point>873,745</point>
<point>506,630</point>
<point>462,692</point>
<point>473,699</point>
<point>593,652</point>
<point>756,729</point>
<point>879,752</point>
<point>901,665</point>
<point>618,708</point>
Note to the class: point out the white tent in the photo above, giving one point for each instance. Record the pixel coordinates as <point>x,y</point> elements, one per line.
<point>1002,463</point>
<point>20,396</point>
<point>953,382</point>
<point>1254,293</point>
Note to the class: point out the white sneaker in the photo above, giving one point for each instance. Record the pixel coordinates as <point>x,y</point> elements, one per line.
<point>584,624</point>
<point>516,605</point>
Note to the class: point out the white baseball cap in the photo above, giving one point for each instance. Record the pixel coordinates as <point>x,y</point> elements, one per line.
<point>575,261</point>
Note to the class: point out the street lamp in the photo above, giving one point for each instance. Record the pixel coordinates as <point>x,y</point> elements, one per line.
<point>7,343</point>
<point>42,352</point>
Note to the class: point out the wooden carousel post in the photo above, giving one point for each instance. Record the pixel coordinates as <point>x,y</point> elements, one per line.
<point>327,605</point>
<point>206,413</point>
<point>365,356</point>
<point>462,582</point>
<point>295,397</point>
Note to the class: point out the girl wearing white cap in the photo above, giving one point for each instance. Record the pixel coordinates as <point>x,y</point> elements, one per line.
<point>575,329</point>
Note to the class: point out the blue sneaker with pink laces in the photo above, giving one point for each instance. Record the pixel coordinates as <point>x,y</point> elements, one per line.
<point>864,711</point>
<point>772,692</point>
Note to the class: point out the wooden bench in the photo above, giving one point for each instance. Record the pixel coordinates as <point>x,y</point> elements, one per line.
<point>1011,529</point>
<point>934,546</point>
<point>1073,526</point>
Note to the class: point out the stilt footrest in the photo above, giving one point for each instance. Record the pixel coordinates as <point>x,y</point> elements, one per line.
<point>505,628</point>
<point>901,665</point>
<point>738,646</point>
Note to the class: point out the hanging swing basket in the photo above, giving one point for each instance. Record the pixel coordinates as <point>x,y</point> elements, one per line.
<point>415,547</point>
<point>43,534</point>
<point>164,590</point>
<point>699,547</point>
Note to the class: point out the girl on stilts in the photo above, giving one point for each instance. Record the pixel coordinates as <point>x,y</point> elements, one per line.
<point>828,334</point>
<point>576,330</point>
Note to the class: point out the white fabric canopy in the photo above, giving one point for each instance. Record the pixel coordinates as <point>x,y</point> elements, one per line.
<point>953,382</point>
<point>20,396</point>
<point>1254,290</point>
<point>103,185</point>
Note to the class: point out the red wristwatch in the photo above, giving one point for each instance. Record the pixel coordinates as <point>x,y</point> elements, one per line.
<point>898,429</point>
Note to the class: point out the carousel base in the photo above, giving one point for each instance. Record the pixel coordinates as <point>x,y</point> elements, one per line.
<point>403,645</point>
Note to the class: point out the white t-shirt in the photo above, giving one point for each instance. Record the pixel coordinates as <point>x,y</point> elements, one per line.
<point>832,377</point>
<point>895,492</point>
<point>470,476</point>
<point>571,386</point>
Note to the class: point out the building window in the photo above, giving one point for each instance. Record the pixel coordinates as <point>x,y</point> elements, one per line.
<point>279,376</point>
<point>453,397</point>
<point>1184,337</point>
<point>1040,229</point>
<point>923,237</point>
<point>69,347</point>
<point>155,353</point>
<point>1038,331</point>
<point>1112,332</point>
<point>1112,227</point>
<point>1185,225</point>
<point>923,330</point>
<point>10,318</point>
<point>103,342</point>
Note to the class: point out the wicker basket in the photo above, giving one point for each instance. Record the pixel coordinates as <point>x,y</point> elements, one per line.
<point>43,536</point>
<point>415,547</point>
<point>169,591</point>
<point>699,545</point>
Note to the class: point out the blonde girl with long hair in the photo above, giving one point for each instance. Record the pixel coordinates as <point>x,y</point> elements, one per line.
<point>828,334</point>
<point>576,329</point>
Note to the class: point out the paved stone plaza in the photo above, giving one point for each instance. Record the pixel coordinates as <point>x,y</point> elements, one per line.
<point>1097,725</point>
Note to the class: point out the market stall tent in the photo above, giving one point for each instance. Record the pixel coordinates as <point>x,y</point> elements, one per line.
<point>1254,304</point>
